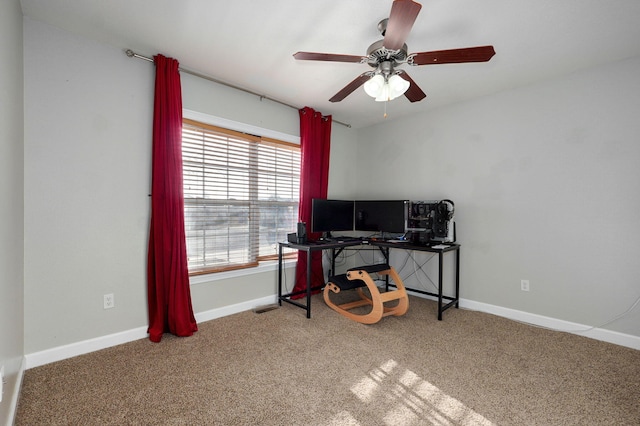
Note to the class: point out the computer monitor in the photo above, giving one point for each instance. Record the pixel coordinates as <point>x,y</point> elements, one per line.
<point>331,215</point>
<point>381,215</point>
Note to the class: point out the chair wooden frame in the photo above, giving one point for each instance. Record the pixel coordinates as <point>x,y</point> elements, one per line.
<point>358,278</point>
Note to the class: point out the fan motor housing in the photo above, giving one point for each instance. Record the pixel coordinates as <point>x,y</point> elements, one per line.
<point>377,53</point>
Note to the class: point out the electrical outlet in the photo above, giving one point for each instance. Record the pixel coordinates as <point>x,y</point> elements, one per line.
<point>524,285</point>
<point>109,301</point>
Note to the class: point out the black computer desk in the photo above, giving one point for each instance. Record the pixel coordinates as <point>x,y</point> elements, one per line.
<point>444,301</point>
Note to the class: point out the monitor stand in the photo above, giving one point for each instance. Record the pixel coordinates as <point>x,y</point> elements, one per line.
<point>326,236</point>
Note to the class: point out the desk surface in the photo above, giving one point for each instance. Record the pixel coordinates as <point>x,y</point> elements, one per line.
<point>436,248</point>
<point>407,245</point>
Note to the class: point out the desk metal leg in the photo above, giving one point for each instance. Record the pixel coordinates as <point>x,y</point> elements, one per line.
<point>333,262</point>
<point>385,253</point>
<point>279,275</point>
<point>457,277</point>
<point>309,254</point>
<point>440,286</point>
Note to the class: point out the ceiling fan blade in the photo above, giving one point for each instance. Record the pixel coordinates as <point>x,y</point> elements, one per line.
<point>453,56</point>
<point>313,56</point>
<point>413,93</point>
<point>403,15</point>
<point>349,88</point>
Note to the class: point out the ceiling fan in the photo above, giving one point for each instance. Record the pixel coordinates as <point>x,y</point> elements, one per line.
<point>387,81</point>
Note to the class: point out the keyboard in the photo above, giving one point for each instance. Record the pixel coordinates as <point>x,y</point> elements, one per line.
<point>346,239</point>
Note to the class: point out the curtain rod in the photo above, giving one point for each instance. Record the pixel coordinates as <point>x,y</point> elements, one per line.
<point>130,53</point>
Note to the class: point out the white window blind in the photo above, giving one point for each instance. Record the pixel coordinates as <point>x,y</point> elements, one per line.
<point>240,196</point>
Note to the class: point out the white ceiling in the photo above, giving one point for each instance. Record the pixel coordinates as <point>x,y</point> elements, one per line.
<point>250,43</point>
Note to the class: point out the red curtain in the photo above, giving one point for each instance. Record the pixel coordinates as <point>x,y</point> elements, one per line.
<point>168,293</point>
<point>315,141</point>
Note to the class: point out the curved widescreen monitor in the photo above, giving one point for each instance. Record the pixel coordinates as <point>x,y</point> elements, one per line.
<point>331,215</point>
<point>381,215</point>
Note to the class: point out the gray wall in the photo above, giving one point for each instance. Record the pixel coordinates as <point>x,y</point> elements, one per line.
<point>87,167</point>
<point>87,177</point>
<point>542,178</point>
<point>11,201</point>
<point>545,183</point>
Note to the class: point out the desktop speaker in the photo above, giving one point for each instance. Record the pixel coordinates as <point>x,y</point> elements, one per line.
<point>302,233</point>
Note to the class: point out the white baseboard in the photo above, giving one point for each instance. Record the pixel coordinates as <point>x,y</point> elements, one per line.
<point>80,348</point>
<point>555,324</point>
<point>75,349</point>
<point>14,393</point>
<point>59,353</point>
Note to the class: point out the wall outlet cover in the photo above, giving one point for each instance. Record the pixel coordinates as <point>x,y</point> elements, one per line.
<point>109,301</point>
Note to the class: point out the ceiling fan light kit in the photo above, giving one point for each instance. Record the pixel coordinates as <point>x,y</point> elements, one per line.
<point>385,89</point>
<point>387,82</point>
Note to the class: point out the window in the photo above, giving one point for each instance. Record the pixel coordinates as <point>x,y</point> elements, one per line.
<point>240,196</point>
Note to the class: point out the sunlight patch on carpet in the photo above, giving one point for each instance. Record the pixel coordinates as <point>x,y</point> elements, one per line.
<point>408,399</point>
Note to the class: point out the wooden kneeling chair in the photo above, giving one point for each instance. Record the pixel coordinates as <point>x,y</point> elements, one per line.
<point>358,278</point>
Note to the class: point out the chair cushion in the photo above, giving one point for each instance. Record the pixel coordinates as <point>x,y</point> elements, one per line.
<point>377,267</point>
<point>346,284</point>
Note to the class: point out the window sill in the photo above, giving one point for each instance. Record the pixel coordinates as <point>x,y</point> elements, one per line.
<point>263,267</point>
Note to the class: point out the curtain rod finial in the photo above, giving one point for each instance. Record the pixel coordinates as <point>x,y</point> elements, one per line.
<point>129,53</point>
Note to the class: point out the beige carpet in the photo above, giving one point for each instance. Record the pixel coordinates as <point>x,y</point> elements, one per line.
<point>279,368</point>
